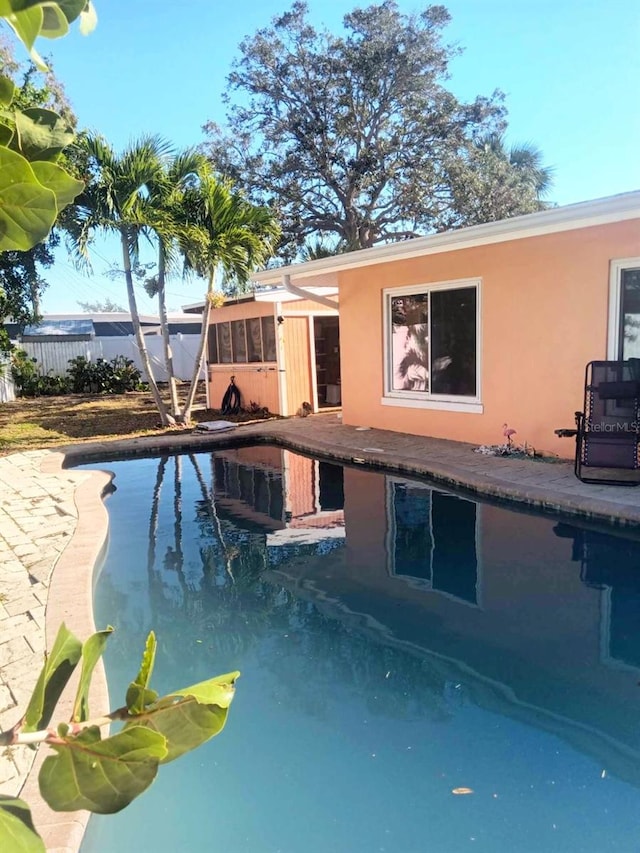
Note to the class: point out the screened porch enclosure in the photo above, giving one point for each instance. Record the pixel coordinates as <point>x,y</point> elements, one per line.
<point>281,355</point>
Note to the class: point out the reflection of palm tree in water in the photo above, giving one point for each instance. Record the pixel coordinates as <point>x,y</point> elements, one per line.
<point>235,611</point>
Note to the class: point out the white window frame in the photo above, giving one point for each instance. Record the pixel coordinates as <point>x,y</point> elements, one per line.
<point>425,399</point>
<point>615,303</point>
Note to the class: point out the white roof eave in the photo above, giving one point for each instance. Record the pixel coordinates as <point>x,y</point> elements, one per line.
<point>569,217</point>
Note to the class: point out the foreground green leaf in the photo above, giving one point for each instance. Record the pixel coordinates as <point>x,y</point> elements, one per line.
<point>32,18</point>
<point>41,134</point>
<point>190,717</point>
<point>92,650</point>
<point>102,776</point>
<point>27,209</point>
<point>27,24</point>
<point>54,178</point>
<point>54,676</point>
<point>6,133</point>
<point>138,694</point>
<point>7,90</point>
<point>148,659</point>
<point>17,832</point>
<point>72,8</point>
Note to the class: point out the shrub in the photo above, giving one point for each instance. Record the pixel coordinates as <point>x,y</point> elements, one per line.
<point>104,377</point>
<point>29,382</point>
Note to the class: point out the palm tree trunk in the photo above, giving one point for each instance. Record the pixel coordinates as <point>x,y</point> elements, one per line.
<point>165,418</point>
<point>166,339</point>
<point>206,314</point>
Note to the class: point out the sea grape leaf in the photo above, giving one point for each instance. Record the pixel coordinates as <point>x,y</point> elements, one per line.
<point>17,832</point>
<point>55,673</point>
<point>21,5</point>
<point>10,7</point>
<point>5,133</point>
<point>54,22</point>
<point>27,209</point>
<point>72,8</point>
<point>148,659</point>
<point>41,134</point>
<point>92,650</point>
<point>26,24</point>
<point>219,690</point>
<point>138,696</point>
<point>190,717</point>
<point>102,776</point>
<point>7,90</point>
<point>54,178</point>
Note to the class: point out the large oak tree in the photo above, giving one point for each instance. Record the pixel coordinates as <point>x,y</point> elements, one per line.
<point>354,137</point>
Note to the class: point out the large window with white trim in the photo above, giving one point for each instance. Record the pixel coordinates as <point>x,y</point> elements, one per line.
<point>432,342</point>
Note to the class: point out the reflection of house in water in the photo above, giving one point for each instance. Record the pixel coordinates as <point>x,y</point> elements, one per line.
<point>294,500</point>
<point>540,624</point>
<point>530,648</point>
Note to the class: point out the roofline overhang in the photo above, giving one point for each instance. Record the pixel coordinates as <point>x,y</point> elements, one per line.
<point>584,214</point>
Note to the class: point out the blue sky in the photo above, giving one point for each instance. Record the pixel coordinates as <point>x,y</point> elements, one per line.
<point>570,70</point>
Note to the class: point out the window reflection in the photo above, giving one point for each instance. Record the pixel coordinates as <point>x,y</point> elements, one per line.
<point>432,540</point>
<point>619,580</point>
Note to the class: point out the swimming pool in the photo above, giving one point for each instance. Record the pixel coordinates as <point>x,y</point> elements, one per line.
<point>397,644</point>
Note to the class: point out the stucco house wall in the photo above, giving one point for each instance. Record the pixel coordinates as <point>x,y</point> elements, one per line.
<point>543,314</point>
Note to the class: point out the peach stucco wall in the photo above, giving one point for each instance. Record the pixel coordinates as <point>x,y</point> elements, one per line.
<point>306,306</point>
<point>257,383</point>
<point>543,316</point>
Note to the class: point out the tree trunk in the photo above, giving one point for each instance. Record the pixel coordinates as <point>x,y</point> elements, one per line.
<point>206,314</point>
<point>166,339</point>
<point>165,418</point>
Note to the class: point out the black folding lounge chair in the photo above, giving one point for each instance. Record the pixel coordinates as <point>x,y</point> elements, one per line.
<point>608,429</point>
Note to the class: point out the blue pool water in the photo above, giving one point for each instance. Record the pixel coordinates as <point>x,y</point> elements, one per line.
<point>396,643</point>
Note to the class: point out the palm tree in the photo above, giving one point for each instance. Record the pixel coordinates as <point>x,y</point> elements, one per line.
<point>525,158</point>
<point>117,199</point>
<point>491,181</point>
<point>164,211</point>
<point>228,234</point>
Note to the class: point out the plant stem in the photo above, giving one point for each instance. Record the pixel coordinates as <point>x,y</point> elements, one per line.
<point>14,736</point>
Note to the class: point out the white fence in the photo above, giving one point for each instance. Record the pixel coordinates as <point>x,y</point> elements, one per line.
<point>53,356</point>
<point>7,388</point>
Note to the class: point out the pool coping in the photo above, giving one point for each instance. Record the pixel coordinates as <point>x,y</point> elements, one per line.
<point>550,487</point>
<point>70,600</point>
<point>70,593</point>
